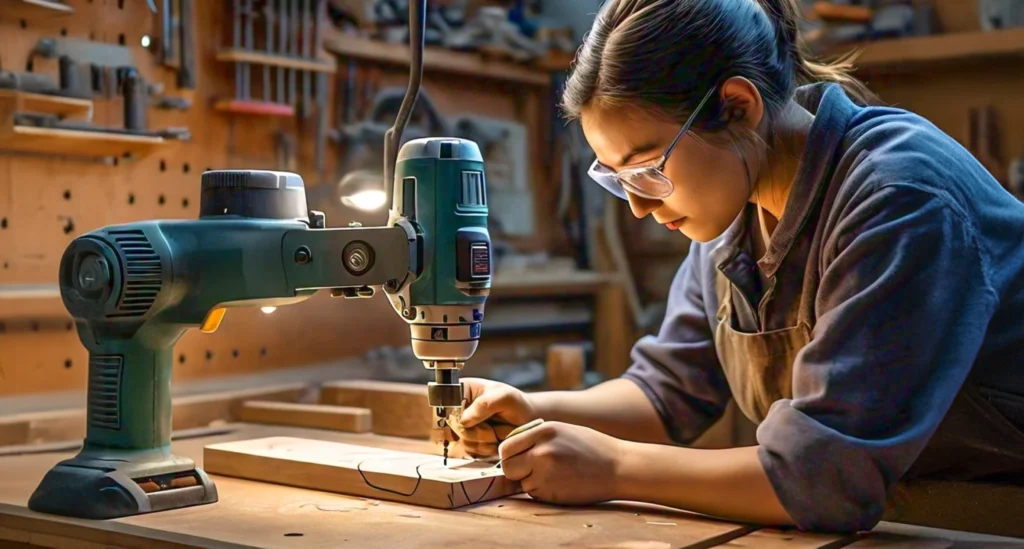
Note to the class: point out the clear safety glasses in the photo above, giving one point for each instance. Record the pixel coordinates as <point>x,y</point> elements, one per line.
<point>644,181</point>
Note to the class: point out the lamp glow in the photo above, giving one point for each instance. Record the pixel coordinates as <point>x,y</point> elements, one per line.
<point>268,310</point>
<point>367,200</point>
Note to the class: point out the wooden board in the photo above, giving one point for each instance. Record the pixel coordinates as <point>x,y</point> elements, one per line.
<point>565,366</point>
<point>315,416</point>
<point>417,479</point>
<point>399,409</point>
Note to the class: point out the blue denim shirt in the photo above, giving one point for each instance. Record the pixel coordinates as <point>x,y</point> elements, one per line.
<point>920,260</point>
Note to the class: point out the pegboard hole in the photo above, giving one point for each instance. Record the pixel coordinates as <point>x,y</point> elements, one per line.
<point>69,326</point>
<point>69,227</point>
<point>63,32</point>
<point>209,355</point>
<point>92,35</point>
<point>234,353</point>
<point>7,265</point>
<point>120,4</point>
<point>23,24</point>
<point>163,165</point>
<point>67,364</point>
<point>67,194</point>
<point>35,326</point>
<point>121,40</point>
<point>185,168</point>
<point>161,200</point>
<point>131,198</point>
<point>115,161</point>
<point>263,351</point>
<point>184,203</point>
<point>3,223</point>
<point>181,359</point>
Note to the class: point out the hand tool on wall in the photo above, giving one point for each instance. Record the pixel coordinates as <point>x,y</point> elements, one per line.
<point>268,43</point>
<point>247,13</point>
<point>293,49</point>
<point>168,29</point>
<point>307,53</point>
<point>323,116</point>
<point>282,25</point>
<point>131,291</point>
<point>136,97</point>
<point>186,56</point>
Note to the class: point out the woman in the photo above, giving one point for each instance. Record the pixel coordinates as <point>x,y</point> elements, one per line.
<point>855,283</point>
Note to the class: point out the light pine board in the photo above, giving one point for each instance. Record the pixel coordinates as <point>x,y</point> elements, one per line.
<point>418,479</point>
<point>315,416</point>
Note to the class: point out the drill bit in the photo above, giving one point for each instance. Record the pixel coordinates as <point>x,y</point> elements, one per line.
<point>446,452</point>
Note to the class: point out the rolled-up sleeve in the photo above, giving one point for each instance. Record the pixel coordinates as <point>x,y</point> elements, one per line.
<point>902,310</point>
<point>678,369</point>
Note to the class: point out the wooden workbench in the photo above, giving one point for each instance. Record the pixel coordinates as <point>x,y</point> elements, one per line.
<point>252,514</point>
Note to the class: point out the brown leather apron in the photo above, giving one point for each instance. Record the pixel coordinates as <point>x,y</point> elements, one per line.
<point>974,442</point>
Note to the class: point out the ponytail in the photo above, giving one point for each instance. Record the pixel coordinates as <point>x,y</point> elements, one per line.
<point>785,15</point>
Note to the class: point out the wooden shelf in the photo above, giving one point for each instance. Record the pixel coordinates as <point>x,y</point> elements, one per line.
<point>60,141</point>
<point>257,58</point>
<point>68,108</point>
<point>29,9</point>
<point>434,59</point>
<point>910,54</point>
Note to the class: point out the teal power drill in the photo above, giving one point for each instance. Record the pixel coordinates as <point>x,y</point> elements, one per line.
<point>134,290</point>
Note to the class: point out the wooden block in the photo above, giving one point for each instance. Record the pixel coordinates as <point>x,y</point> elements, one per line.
<point>417,479</point>
<point>36,427</point>
<point>315,416</point>
<point>398,409</point>
<point>565,366</point>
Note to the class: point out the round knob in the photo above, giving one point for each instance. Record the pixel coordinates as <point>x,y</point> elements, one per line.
<point>93,275</point>
<point>253,193</point>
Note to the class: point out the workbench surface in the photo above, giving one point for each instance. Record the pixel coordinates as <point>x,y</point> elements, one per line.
<point>253,514</point>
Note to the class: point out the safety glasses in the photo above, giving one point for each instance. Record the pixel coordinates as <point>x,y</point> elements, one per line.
<point>644,181</point>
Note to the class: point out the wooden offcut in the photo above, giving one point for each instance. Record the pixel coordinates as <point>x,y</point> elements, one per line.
<point>418,479</point>
<point>398,409</point>
<point>316,416</point>
<point>565,366</point>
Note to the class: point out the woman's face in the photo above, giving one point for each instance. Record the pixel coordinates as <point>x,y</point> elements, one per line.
<point>710,182</point>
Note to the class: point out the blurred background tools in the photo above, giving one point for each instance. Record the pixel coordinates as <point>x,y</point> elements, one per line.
<point>284,39</point>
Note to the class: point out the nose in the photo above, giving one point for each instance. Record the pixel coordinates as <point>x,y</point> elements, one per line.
<point>641,207</point>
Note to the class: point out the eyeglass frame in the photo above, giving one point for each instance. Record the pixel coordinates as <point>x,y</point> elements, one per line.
<point>610,179</point>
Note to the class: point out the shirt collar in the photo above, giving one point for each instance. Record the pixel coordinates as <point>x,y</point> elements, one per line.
<point>832,111</point>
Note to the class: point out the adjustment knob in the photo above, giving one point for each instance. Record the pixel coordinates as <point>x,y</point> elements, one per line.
<point>253,193</point>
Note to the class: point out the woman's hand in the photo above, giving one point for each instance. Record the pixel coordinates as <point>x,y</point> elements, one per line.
<point>490,411</point>
<point>563,463</point>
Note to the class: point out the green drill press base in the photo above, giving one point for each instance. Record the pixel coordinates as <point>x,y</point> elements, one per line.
<point>105,484</point>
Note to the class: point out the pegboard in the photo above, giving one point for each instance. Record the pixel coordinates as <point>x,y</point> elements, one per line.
<point>45,201</point>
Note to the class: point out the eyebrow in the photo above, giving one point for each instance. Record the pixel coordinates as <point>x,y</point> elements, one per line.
<point>637,151</point>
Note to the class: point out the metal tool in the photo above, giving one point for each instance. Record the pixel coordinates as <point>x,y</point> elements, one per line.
<point>28,82</point>
<point>131,290</point>
<point>236,42</point>
<point>322,121</point>
<point>268,43</point>
<point>135,93</point>
<point>282,23</point>
<point>247,10</point>
<point>168,52</point>
<point>293,49</point>
<point>307,54</point>
<point>186,55</point>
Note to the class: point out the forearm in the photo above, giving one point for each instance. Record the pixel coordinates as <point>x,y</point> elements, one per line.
<point>617,408</point>
<point>730,484</point>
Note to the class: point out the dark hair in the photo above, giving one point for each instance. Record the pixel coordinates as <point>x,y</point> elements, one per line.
<point>666,54</point>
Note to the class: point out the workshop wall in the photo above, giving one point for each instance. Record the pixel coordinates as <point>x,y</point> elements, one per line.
<point>46,201</point>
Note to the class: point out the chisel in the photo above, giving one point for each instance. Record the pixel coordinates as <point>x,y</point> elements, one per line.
<point>307,53</point>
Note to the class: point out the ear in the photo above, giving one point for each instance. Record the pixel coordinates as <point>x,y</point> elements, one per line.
<point>743,103</point>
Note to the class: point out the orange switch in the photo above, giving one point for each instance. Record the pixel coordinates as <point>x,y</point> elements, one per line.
<point>212,320</point>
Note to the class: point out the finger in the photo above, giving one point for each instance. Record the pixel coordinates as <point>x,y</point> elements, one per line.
<point>487,405</point>
<point>529,484</point>
<point>472,388</point>
<point>522,442</point>
<point>501,430</point>
<point>480,450</point>
<point>517,468</point>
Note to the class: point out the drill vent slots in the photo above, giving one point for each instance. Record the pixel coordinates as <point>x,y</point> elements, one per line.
<point>143,278</point>
<point>104,392</point>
